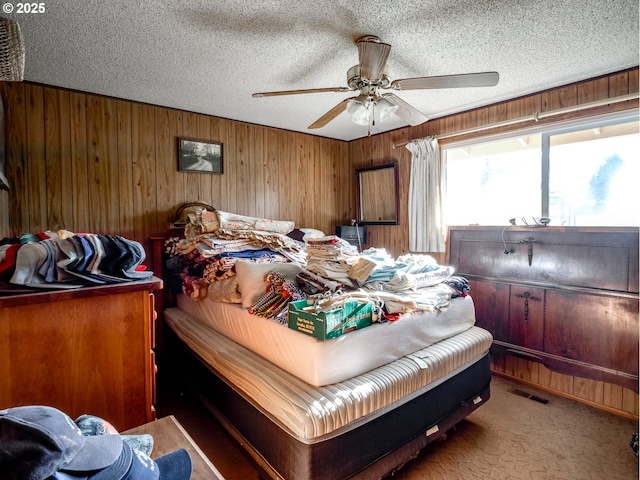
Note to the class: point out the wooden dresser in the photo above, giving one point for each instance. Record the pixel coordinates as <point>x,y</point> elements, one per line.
<point>565,297</point>
<point>86,350</point>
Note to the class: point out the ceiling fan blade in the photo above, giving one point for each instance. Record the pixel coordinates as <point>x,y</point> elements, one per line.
<point>405,111</point>
<point>484,79</point>
<point>373,56</point>
<point>331,114</point>
<point>297,92</point>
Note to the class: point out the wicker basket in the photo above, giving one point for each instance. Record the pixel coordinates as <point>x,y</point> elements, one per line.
<point>11,51</point>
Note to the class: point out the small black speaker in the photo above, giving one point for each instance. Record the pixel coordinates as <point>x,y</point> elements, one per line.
<point>350,234</point>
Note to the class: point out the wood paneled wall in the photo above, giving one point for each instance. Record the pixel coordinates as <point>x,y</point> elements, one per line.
<point>89,163</point>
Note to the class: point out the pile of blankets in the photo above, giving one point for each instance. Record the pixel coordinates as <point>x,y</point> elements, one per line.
<point>330,267</point>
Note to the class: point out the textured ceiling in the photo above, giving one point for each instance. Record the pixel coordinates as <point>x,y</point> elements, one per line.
<point>210,56</point>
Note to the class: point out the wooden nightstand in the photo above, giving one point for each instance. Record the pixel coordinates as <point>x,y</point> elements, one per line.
<point>168,435</point>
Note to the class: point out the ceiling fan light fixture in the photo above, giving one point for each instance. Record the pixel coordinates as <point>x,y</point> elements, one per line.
<point>358,108</point>
<point>385,109</point>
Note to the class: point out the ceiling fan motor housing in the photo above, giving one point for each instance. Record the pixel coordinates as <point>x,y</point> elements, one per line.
<point>356,82</point>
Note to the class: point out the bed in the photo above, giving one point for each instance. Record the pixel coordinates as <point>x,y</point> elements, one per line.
<point>310,409</point>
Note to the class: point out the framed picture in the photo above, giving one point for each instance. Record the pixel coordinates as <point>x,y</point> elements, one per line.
<point>199,156</point>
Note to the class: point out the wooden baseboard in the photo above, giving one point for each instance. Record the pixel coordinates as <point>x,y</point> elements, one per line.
<point>599,394</point>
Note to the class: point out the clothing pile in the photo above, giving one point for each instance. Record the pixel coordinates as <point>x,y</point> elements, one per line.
<point>331,257</point>
<point>331,270</point>
<point>62,259</point>
<point>370,261</point>
<point>42,443</point>
<point>406,274</point>
<point>313,284</point>
<point>209,265</point>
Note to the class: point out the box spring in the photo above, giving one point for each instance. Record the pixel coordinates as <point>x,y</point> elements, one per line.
<point>369,447</point>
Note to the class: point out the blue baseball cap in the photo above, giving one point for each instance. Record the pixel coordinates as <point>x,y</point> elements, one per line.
<point>136,465</point>
<point>37,441</point>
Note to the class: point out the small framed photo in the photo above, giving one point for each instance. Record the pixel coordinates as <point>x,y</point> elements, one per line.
<point>199,156</point>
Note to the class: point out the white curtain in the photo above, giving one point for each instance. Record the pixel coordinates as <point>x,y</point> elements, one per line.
<point>426,187</point>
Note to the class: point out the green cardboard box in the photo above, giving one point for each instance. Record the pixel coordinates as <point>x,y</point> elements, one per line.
<point>331,324</point>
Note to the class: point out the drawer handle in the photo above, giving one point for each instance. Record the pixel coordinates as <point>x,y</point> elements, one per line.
<point>530,241</point>
<point>527,296</point>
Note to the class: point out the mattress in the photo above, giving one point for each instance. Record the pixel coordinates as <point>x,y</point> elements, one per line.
<point>325,362</point>
<point>316,413</point>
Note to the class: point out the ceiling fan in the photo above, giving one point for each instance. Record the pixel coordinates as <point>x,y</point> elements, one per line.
<point>371,79</point>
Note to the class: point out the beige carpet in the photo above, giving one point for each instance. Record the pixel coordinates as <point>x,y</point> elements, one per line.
<point>514,437</point>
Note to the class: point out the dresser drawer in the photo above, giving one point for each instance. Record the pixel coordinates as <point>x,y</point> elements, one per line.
<point>595,329</point>
<point>591,260</point>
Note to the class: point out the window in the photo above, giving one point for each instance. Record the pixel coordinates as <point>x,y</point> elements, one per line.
<point>582,174</point>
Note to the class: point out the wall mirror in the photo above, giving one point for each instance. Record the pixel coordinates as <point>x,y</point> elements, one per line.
<point>377,195</point>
